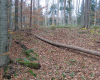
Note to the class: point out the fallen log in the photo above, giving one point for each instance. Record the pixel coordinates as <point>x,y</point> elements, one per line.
<point>28,64</point>
<point>22,45</point>
<point>69,46</point>
<point>27,53</point>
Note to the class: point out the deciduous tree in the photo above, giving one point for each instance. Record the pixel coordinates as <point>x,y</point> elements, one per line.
<point>3,33</point>
<point>95,19</point>
<point>82,14</point>
<point>87,12</point>
<point>16,15</point>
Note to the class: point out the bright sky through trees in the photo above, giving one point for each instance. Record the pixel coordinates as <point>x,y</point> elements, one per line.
<point>42,3</point>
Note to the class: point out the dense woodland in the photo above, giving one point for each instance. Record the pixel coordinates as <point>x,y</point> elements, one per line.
<point>56,41</point>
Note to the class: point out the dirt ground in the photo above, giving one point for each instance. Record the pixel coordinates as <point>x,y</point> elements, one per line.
<point>57,63</point>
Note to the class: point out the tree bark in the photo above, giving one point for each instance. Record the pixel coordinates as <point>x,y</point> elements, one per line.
<point>34,20</point>
<point>31,14</point>
<point>82,14</point>
<point>76,11</point>
<point>95,19</point>
<point>87,12</point>
<point>64,12</point>
<point>16,15</point>
<point>69,12</point>
<point>99,12</point>
<point>10,21</point>
<point>46,20</point>
<point>24,17</point>
<point>38,4</point>
<point>21,12</point>
<point>57,21</point>
<point>3,33</point>
<point>53,14</point>
<point>38,14</point>
<point>69,46</point>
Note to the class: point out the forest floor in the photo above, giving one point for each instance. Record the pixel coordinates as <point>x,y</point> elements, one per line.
<point>57,63</point>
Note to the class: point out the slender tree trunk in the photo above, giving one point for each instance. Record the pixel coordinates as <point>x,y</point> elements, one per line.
<point>31,14</point>
<point>21,13</point>
<point>53,14</point>
<point>78,5</point>
<point>16,15</point>
<point>76,11</point>
<point>69,12</point>
<point>8,13</point>
<point>99,12</point>
<point>38,14</point>
<point>95,13</point>
<point>82,14</point>
<point>86,16</point>
<point>38,3</point>
<point>46,20</point>
<point>25,17</point>
<point>64,12</point>
<point>89,11</point>
<point>57,21</point>
<point>89,8</point>
<point>68,18</point>
<point>4,59</point>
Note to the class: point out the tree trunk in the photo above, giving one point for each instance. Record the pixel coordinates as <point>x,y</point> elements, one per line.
<point>53,14</point>
<point>87,12</point>
<point>46,20</point>
<point>31,14</point>
<point>38,14</point>
<point>10,21</point>
<point>89,8</point>
<point>3,33</point>
<point>99,12</point>
<point>57,21</point>
<point>38,4</point>
<point>82,14</point>
<point>78,5</point>
<point>95,19</point>
<point>16,15</point>
<point>69,12</point>
<point>25,17</point>
<point>64,12</point>
<point>76,11</point>
<point>21,12</point>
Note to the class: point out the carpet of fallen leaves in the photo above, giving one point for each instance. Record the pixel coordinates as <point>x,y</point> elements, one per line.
<point>57,63</point>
